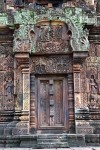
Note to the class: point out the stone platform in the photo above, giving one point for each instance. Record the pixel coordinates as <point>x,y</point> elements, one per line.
<point>74,148</point>
<point>51,141</point>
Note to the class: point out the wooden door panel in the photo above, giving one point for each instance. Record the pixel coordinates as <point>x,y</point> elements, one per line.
<point>58,97</point>
<point>43,95</point>
<point>51,102</point>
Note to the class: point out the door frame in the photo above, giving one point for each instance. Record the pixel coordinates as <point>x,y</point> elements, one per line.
<point>65,101</point>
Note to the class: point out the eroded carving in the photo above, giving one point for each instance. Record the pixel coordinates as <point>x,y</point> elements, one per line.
<point>91,79</point>
<point>52,39</point>
<point>8,83</point>
<point>22,38</point>
<point>72,17</point>
<point>51,64</point>
<point>93,85</point>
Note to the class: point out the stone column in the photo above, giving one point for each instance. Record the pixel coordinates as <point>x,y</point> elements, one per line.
<point>22,127</point>
<point>76,73</point>
<point>26,89</point>
<point>81,113</point>
<point>25,117</point>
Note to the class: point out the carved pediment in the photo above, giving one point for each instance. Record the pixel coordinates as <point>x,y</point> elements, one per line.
<point>51,37</point>
<point>48,32</point>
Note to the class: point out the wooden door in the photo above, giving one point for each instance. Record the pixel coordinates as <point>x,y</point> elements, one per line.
<point>52,102</point>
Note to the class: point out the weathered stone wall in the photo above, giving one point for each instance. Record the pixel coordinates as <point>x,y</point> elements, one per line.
<point>89,102</point>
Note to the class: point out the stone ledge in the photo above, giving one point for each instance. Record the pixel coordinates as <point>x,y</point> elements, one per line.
<point>64,141</point>
<point>74,148</point>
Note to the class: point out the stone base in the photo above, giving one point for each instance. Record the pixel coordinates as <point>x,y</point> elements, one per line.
<point>50,141</point>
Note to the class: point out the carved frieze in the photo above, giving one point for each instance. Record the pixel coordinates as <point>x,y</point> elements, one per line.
<point>8,83</point>
<point>90,81</point>
<point>51,64</point>
<point>6,77</point>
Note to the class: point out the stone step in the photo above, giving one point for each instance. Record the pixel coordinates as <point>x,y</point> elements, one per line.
<point>53,145</point>
<point>52,140</point>
<point>52,136</point>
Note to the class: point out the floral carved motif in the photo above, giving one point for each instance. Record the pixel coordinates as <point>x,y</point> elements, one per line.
<point>51,64</point>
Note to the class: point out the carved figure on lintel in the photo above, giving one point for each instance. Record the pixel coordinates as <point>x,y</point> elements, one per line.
<point>93,85</point>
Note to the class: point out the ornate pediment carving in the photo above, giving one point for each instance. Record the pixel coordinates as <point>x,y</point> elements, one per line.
<point>44,32</point>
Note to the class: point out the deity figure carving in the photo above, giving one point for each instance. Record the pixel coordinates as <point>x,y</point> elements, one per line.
<point>93,103</point>
<point>93,85</point>
<point>9,87</point>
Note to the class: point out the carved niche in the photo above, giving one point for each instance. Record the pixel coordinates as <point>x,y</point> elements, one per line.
<point>90,80</point>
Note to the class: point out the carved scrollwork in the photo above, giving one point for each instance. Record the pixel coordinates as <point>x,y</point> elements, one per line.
<point>73,17</point>
<point>22,38</point>
<point>51,64</point>
<point>84,40</point>
<point>6,50</point>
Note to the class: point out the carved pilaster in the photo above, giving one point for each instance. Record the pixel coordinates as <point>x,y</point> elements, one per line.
<point>81,113</point>
<point>76,72</point>
<point>22,81</point>
<point>33,106</point>
<point>26,89</point>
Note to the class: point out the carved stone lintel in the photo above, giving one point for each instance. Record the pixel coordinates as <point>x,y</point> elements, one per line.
<point>51,64</point>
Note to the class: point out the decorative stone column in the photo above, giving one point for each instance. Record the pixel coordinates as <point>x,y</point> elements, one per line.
<point>26,89</point>
<point>76,74</point>
<point>22,127</point>
<point>81,114</point>
<point>25,117</point>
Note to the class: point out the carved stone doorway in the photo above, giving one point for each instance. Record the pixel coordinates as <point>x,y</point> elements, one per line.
<point>52,102</point>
